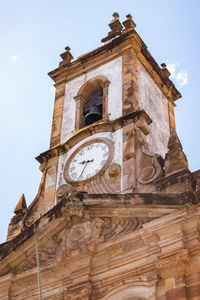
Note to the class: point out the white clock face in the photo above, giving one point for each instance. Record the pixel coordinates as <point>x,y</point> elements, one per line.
<point>88,161</point>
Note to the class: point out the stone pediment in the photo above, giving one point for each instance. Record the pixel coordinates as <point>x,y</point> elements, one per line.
<point>79,223</point>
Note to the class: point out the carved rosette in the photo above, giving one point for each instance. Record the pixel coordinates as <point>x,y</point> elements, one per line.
<point>83,236</point>
<point>174,265</point>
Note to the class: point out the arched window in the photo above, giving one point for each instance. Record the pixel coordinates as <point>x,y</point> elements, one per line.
<point>91,102</point>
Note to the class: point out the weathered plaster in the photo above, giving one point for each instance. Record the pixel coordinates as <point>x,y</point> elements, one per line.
<point>116,137</point>
<point>113,71</point>
<point>152,100</point>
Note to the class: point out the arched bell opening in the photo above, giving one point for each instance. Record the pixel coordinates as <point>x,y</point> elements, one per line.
<point>91,102</point>
<point>93,109</point>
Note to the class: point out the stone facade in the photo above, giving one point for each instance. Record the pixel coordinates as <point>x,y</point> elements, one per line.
<point>131,230</point>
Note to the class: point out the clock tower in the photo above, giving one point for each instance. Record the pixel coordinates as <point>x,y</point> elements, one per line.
<point>106,101</point>
<point>116,215</point>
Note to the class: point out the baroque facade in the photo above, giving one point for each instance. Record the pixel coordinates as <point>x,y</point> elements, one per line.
<point>117,211</point>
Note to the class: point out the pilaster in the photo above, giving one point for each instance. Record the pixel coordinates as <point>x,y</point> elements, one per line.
<point>57,115</point>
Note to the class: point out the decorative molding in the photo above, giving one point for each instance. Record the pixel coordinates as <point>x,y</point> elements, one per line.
<point>117,226</point>
<point>105,125</point>
<point>46,254</point>
<point>173,265</point>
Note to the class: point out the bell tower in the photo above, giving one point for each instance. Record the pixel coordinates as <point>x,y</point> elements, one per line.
<point>117,211</point>
<point>118,94</point>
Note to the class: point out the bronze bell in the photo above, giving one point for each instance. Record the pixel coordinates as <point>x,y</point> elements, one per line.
<point>94,114</point>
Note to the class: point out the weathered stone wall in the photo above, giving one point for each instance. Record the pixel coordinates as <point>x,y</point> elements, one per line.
<point>113,72</point>
<point>153,101</point>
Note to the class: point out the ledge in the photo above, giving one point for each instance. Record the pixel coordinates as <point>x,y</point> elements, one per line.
<point>100,126</point>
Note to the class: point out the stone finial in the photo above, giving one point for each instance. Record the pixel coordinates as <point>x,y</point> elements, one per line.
<point>116,28</point>
<point>129,24</point>
<point>163,65</point>
<point>175,159</point>
<point>115,17</point>
<point>164,71</point>
<point>21,205</point>
<point>67,56</point>
<point>16,223</point>
<point>115,24</point>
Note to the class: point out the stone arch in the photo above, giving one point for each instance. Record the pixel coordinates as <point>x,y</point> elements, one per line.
<point>99,83</point>
<point>139,292</point>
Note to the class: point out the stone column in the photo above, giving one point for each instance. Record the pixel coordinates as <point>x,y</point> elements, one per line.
<point>80,102</point>
<point>105,99</point>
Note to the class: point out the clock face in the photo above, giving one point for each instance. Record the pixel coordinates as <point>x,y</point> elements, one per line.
<point>87,161</point>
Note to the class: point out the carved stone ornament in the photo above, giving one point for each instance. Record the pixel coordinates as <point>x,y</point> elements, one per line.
<point>82,293</point>
<point>173,265</point>
<point>62,191</point>
<point>86,235</point>
<point>117,226</point>
<point>151,172</point>
<point>74,207</point>
<point>32,218</point>
<point>79,234</point>
<point>83,236</point>
<point>149,165</point>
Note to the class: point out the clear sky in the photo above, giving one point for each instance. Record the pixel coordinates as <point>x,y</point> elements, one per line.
<point>33,33</point>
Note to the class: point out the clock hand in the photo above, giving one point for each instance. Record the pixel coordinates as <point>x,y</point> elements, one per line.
<point>83,168</point>
<point>83,162</point>
<point>90,160</point>
<point>86,161</point>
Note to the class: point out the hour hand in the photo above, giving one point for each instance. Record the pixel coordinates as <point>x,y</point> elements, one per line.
<point>83,162</point>
<point>86,161</point>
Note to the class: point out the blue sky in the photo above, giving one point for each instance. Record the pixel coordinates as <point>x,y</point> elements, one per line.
<point>32,36</point>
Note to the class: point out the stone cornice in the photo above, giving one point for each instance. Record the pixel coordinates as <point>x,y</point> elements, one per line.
<point>110,51</point>
<point>101,126</point>
<point>141,242</point>
<point>98,205</point>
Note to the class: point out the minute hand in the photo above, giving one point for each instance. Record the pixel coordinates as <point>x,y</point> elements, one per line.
<point>85,162</point>
<point>84,168</point>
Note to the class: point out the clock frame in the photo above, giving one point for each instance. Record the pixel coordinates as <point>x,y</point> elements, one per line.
<point>110,146</point>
